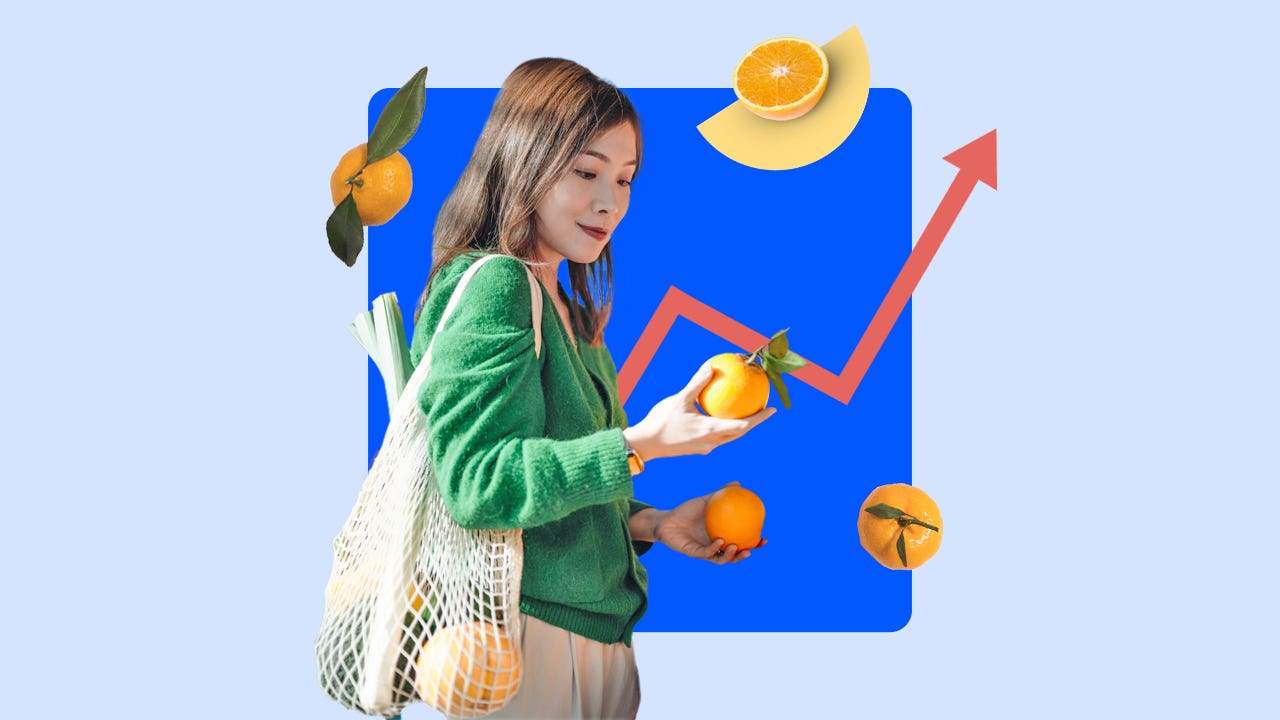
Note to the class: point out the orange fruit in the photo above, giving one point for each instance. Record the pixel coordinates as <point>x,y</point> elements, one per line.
<point>782,78</point>
<point>737,515</point>
<point>737,388</point>
<point>468,670</point>
<point>381,189</point>
<point>900,526</point>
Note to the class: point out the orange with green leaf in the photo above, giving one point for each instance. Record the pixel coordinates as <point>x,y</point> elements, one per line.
<point>373,181</point>
<point>739,385</point>
<point>900,526</point>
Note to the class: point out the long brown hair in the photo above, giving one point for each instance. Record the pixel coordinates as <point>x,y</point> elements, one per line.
<point>546,114</point>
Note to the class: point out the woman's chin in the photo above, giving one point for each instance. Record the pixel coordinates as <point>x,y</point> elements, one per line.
<point>588,255</point>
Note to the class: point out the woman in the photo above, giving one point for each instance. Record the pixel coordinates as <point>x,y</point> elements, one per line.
<point>540,442</point>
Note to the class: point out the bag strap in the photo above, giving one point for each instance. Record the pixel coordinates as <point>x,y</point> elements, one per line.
<point>410,393</point>
<point>535,294</point>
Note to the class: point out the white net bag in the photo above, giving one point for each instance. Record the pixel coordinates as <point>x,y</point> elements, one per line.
<point>418,608</point>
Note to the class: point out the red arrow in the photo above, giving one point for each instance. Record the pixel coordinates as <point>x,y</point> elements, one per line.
<point>977,163</point>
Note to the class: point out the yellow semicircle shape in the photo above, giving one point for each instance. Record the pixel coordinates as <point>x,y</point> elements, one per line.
<point>764,144</point>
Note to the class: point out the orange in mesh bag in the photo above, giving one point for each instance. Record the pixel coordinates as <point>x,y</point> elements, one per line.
<point>471,669</point>
<point>418,608</point>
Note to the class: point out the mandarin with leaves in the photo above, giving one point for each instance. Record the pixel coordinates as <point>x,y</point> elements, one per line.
<point>739,384</point>
<point>373,181</point>
<point>900,526</point>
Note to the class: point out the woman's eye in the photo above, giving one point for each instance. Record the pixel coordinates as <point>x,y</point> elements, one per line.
<point>586,175</point>
<point>624,183</point>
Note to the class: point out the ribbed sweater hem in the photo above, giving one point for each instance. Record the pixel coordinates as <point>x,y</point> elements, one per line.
<point>607,629</point>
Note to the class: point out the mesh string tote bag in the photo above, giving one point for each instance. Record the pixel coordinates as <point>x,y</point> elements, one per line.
<point>418,608</point>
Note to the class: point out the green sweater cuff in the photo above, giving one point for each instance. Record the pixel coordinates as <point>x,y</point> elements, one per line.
<point>641,547</point>
<point>594,469</point>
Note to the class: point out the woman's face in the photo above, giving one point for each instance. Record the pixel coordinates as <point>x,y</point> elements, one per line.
<point>577,217</point>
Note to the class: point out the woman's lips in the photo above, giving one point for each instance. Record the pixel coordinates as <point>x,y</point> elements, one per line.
<point>598,233</point>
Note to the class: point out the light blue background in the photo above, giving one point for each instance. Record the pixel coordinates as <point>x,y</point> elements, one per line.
<point>1094,350</point>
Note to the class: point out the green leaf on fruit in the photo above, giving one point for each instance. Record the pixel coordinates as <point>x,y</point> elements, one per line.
<point>885,512</point>
<point>778,344</point>
<point>399,120</point>
<point>346,234</point>
<point>788,363</point>
<point>776,380</point>
<point>902,548</point>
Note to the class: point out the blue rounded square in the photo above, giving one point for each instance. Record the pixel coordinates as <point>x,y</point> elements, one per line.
<point>812,249</point>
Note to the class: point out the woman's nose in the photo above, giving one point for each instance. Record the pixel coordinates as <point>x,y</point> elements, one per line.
<point>606,200</point>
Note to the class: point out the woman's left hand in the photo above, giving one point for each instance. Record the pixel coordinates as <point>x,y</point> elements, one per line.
<point>684,530</point>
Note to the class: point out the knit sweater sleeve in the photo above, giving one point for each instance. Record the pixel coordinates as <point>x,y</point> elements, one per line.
<point>485,415</point>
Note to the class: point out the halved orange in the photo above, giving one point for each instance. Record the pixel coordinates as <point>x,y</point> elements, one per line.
<point>782,78</point>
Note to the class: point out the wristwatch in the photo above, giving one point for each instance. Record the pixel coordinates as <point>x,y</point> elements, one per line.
<point>634,461</point>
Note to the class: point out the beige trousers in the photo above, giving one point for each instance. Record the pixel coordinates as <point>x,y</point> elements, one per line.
<point>569,676</point>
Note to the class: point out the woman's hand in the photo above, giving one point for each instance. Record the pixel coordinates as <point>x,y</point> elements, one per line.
<point>684,530</point>
<point>675,427</point>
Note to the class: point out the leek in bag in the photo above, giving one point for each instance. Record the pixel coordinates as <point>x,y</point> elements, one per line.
<point>381,333</point>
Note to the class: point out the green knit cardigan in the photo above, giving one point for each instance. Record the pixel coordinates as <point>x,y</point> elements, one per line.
<point>519,440</point>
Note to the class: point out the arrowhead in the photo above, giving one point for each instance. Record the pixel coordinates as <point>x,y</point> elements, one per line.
<point>977,158</point>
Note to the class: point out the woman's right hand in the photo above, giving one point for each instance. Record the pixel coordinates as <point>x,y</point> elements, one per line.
<point>675,427</point>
